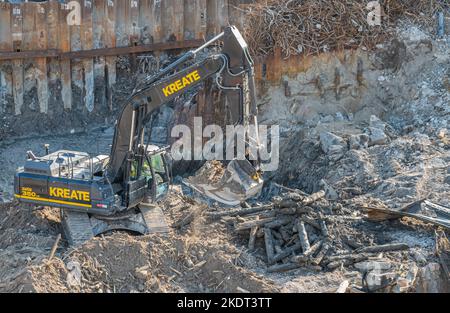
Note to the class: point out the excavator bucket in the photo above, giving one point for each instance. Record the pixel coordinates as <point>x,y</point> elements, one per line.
<point>239,181</point>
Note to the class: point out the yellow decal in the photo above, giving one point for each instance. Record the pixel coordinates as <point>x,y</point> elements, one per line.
<point>181,83</point>
<point>54,201</point>
<point>28,192</point>
<point>69,194</point>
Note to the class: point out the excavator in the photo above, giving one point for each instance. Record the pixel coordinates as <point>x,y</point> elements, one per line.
<point>121,191</point>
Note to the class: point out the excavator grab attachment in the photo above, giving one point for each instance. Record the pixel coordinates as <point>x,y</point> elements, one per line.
<point>239,182</point>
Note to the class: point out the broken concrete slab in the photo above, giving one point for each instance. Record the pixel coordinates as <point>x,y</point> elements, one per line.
<point>358,142</point>
<point>375,122</point>
<point>377,137</point>
<point>331,143</point>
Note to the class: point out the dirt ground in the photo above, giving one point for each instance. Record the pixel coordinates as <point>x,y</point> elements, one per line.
<point>386,147</point>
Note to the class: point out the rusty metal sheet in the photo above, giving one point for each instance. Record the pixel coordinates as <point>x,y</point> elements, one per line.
<point>65,66</point>
<point>150,21</point>
<point>17,73</point>
<point>5,27</point>
<point>122,23</point>
<point>217,16</point>
<point>156,18</point>
<point>135,31</point>
<point>236,14</point>
<point>194,19</point>
<point>40,32</point>
<point>5,45</point>
<point>54,74</point>
<point>35,39</point>
<point>110,42</point>
<point>53,24</point>
<point>99,22</point>
<point>74,19</point>
<point>87,42</point>
<point>173,20</point>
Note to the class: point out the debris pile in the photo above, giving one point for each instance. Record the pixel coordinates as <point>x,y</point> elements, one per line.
<point>315,26</point>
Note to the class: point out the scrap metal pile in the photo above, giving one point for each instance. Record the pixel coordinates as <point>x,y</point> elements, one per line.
<point>314,26</point>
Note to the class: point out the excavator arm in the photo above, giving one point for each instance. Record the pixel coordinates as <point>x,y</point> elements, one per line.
<point>229,66</point>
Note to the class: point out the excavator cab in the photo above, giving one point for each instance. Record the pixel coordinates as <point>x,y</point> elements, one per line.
<point>156,170</point>
<point>152,173</point>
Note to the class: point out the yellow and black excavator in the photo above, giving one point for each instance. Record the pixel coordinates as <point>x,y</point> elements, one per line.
<point>120,191</point>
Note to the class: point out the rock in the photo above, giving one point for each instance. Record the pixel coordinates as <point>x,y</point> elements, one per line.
<point>377,137</point>
<point>350,116</point>
<point>442,133</point>
<point>327,140</point>
<point>336,152</point>
<point>419,257</point>
<point>330,193</point>
<point>376,266</point>
<point>375,122</point>
<point>377,281</point>
<point>447,180</point>
<point>430,279</point>
<point>74,273</point>
<point>141,272</point>
<point>405,284</point>
<point>358,142</point>
<point>327,119</point>
<point>339,117</point>
<point>408,129</point>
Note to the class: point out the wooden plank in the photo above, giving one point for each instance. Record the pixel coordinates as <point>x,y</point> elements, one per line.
<point>110,42</point>
<point>17,37</point>
<point>64,45</point>
<point>194,19</point>
<point>173,20</point>
<point>87,42</point>
<point>99,21</point>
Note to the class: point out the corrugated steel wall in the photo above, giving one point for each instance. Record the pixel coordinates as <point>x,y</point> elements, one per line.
<point>56,43</point>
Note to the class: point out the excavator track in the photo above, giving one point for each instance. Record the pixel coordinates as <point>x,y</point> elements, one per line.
<point>154,219</point>
<point>76,226</point>
<point>80,227</point>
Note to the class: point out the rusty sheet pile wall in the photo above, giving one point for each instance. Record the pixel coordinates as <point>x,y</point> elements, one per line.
<point>48,50</point>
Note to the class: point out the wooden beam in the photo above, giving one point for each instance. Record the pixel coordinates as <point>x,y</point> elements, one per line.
<point>135,49</point>
<point>54,53</point>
